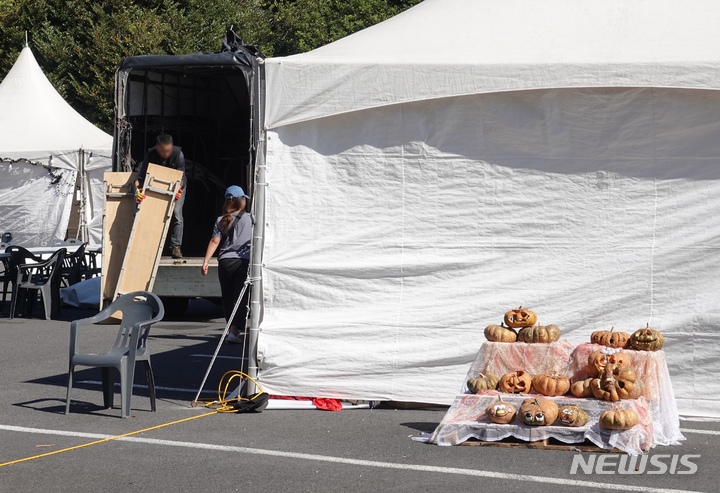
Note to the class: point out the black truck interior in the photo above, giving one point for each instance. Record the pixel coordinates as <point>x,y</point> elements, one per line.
<point>205,101</point>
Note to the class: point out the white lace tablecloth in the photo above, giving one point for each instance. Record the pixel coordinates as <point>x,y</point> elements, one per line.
<point>466,419</point>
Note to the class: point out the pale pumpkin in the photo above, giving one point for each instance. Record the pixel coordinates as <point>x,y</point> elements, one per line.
<point>552,385</point>
<point>539,334</point>
<point>538,411</point>
<point>647,339</point>
<point>572,416</point>
<point>500,411</point>
<point>500,333</point>
<point>522,317</point>
<point>484,381</point>
<point>619,419</point>
<point>615,383</point>
<point>515,382</point>
<point>582,388</point>
<point>610,338</point>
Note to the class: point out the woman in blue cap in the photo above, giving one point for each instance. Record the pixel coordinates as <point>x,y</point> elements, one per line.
<point>231,237</point>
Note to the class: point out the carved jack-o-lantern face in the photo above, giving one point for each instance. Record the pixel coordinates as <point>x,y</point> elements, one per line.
<point>647,339</point>
<point>516,382</point>
<point>500,411</point>
<point>573,416</point>
<point>538,412</point>
<point>615,383</point>
<point>522,317</point>
<point>596,363</point>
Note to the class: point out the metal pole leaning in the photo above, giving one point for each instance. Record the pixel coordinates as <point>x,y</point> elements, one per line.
<point>222,339</point>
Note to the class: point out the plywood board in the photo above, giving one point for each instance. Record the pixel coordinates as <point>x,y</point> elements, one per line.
<point>118,217</point>
<point>149,230</point>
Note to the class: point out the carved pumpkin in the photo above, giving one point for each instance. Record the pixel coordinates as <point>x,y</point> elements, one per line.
<point>538,411</point>
<point>615,383</point>
<point>516,382</point>
<point>647,339</point>
<point>596,363</point>
<point>484,381</point>
<point>500,411</point>
<point>582,388</point>
<point>499,333</point>
<point>539,334</point>
<point>573,416</point>
<point>522,317</point>
<point>610,338</point>
<point>619,358</point>
<point>619,419</point>
<point>551,384</point>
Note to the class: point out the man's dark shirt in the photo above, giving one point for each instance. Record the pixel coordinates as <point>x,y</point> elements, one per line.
<point>176,160</point>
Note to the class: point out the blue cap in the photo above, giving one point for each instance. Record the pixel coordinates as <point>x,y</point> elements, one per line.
<point>234,192</point>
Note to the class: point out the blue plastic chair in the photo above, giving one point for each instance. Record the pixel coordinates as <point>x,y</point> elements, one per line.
<point>140,310</point>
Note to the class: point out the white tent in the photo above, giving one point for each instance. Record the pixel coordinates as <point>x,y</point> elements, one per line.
<point>468,156</point>
<point>44,144</point>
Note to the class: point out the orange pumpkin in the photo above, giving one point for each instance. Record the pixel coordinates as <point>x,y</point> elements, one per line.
<point>596,363</point>
<point>499,333</point>
<point>582,388</point>
<point>619,419</point>
<point>500,411</point>
<point>620,358</point>
<point>538,411</point>
<point>647,339</point>
<point>610,338</point>
<point>552,385</point>
<point>516,382</point>
<point>615,383</point>
<point>539,334</point>
<point>522,317</point>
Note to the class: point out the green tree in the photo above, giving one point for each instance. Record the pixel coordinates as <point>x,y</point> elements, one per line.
<point>79,43</point>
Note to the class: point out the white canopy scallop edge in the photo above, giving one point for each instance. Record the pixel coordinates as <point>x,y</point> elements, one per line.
<point>444,48</point>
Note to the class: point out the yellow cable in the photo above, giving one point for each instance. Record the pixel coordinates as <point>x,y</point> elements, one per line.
<point>105,440</point>
<point>225,405</point>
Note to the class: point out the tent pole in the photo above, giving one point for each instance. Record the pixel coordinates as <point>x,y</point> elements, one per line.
<point>258,240</point>
<point>82,229</point>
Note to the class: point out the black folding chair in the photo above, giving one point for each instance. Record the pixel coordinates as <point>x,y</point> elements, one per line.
<point>41,278</point>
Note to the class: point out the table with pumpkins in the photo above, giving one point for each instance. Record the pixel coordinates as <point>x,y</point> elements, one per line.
<point>528,383</point>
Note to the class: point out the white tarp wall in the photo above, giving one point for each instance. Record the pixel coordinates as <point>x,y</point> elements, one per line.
<point>401,222</point>
<point>35,203</point>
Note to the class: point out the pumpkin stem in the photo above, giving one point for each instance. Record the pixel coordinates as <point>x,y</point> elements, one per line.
<point>500,398</point>
<point>612,328</point>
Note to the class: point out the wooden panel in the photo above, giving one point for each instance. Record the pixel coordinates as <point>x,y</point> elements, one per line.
<point>118,217</point>
<point>149,230</point>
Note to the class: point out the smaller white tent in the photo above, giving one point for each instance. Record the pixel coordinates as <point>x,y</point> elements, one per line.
<point>44,144</point>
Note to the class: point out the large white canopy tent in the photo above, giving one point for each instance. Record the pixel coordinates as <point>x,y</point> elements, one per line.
<point>44,144</point>
<point>468,156</point>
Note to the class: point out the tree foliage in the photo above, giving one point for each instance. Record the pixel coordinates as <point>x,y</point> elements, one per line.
<point>79,43</point>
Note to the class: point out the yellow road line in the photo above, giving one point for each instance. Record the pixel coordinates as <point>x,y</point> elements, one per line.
<point>96,442</point>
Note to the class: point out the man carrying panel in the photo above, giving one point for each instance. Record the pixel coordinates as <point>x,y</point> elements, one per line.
<point>166,154</point>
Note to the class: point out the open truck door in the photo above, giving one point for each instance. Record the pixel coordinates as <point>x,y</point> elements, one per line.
<point>211,104</point>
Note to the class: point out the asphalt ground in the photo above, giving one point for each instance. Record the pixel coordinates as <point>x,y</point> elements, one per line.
<point>275,451</point>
